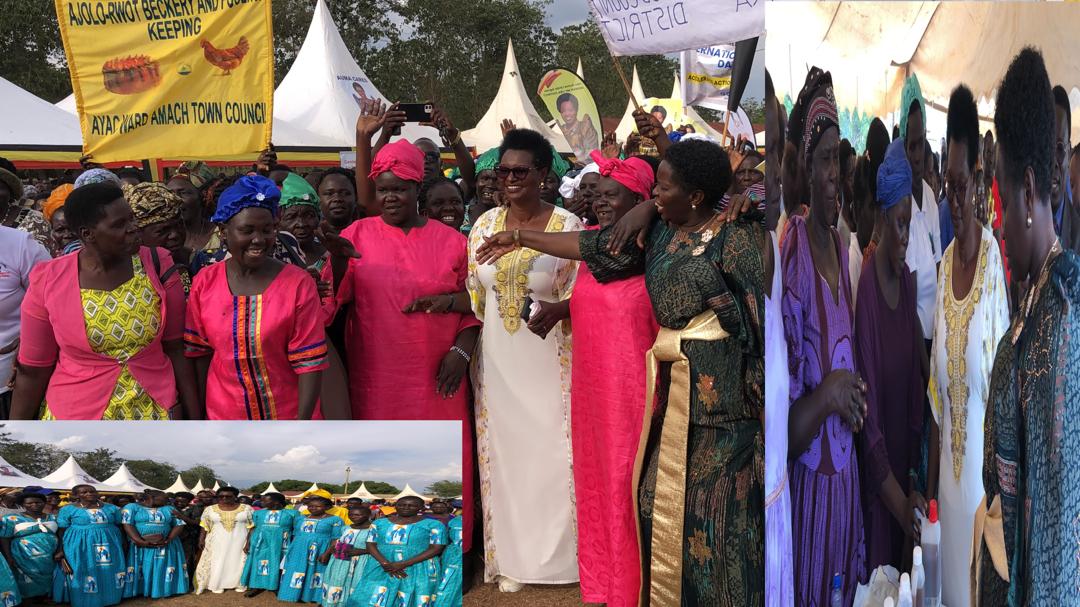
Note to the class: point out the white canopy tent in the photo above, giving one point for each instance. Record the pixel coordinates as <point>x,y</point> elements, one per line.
<point>314,487</point>
<point>580,72</point>
<point>217,486</point>
<point>69,474</point>
<point>198,486</point>
<point>407,492</point>
<point>10,476</point>
<point>124,480</point>
<point>871,47</point>
<point>271,489</point>
<point>511,102</point>
<point>627,125</point>
<point>29,122</point>
<point>363,493</point>
<point>177,486</point>
<point>324,86</point>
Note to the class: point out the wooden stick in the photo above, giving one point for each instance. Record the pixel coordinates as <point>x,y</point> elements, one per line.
<point>626,85</point>
<point>727,124</point>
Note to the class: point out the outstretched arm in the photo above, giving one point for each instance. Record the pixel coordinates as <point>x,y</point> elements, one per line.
<point>558,244</point>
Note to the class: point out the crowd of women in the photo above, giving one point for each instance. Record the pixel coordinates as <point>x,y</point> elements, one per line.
<point>922,326</point>
<point>94,553</point>
<point>265,297</point>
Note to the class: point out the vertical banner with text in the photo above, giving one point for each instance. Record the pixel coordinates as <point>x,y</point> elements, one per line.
<point>640,27</point>
<point>170,78</point>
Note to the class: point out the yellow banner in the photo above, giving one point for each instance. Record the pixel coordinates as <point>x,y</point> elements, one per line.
<point>170,78</point>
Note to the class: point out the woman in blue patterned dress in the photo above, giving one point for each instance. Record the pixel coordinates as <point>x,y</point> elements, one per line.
<point>28,542</point>
<point>93,572</point>
<point>266,545</point>
<point>350,558</point>
<point>309,552</point>
<point>9,590</point>
<point>449,592</point>
<point>404,566</point>
<point>156,564</point>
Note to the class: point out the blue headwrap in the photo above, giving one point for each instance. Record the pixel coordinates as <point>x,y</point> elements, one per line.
<point>894,176</point>
<point>248,191</point>
<point>912,92</point>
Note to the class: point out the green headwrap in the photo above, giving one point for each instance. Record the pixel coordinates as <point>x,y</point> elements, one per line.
<point>295,190</point>
<point>487,160</point>
<point>490,159</point>
<point>912,92</point>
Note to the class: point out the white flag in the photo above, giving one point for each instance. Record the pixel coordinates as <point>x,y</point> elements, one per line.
<point>649,27</point>
<point>706,76</point>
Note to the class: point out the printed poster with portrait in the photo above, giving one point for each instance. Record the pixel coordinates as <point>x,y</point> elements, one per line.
<point>170,79</point>
<point>571,103</point>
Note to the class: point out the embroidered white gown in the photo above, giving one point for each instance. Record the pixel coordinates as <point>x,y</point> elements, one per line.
<point>222,561</point>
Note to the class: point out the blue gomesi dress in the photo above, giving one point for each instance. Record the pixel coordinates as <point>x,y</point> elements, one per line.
<point>397,542</point>
<point>342,573</point>
<point>94,551</point>
<point>9,590</point>
<point>155,572</point>
<point>449,591</point>
<point>266,548</point>
<point>302,572</point>
<point>33,543</point>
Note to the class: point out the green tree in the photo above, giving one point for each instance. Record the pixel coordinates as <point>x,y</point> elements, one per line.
<point>444,488</point>
<point>584,41</point>
<point>35,459</point>
<point>199,472</point>
<point>100,463</point>
<point>155,474</point>
<point>31,52</point>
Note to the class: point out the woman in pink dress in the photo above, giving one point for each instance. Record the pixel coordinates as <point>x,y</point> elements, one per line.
<point>254,324</point>
<point>401,279</point>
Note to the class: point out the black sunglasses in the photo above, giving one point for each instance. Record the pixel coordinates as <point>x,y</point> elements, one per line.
<point>519,173</point>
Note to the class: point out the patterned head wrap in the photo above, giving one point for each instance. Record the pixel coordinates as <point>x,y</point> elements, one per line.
<point>97,176</point>
<point>820,113</point>
<point>198,173</point>
<point>152,203</point>
<point>296,191</point>
<point>894,176</point>
<point>633,173</point>
<point>30,192</point>
<point>487,160</point>
<point>912,92</point>
<point>559,164</point>
<point>248,191</point>
<point>401,158</point>
<point>56,200</point>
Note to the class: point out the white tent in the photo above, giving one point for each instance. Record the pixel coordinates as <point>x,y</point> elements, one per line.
<point>217,486</point>
<point>511,102</point>
<point>30,122</point>
<point>68,104</point>
<point>177,486</point>
<point>408,491</point>
<point>323,88</point>
<point>314,487</point>
<point>363,493</point>
<point>271,489</point>
<point>10,476</point>
<point>580,72</point>
<point>124,480</point>
<point>198,486</point>
<point>69,474</point>
<point>627,125</point>
<point>871,47</point>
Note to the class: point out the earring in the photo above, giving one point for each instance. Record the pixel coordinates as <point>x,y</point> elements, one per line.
<point>694,206</point>
<point>1029,221</point>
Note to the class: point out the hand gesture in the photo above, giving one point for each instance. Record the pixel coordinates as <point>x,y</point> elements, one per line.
<point>648,125</point>
<point>494,247</point>
<point>86,161</point>
<point>372,117</point>
<point>633,144</point>
<point>633,225</point>
<point>846,394</point>
<point>441,121</point>
<point>325,288</point>
<point>439,304</point>
<point>395,119</point>
<point>915,501</point>
<point>507,126</point>
<point>451,372</point>
<point>738,205</point>
<point>546,318</point>
<point>578,205</point>
<point>335,244</point>
<point>267,159</point>
<point>609,147</point>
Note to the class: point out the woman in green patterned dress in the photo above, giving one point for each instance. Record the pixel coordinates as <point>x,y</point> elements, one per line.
<point>704,448</point>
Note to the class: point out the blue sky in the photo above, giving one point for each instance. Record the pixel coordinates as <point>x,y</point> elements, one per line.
<point>245,453</point>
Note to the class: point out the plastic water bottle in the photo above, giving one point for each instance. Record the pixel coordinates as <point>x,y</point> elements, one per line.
<point>888,602</point>
<point>931,557</point>
<point>837,597</point>
<point>904,599</point>
<point>918,578</point>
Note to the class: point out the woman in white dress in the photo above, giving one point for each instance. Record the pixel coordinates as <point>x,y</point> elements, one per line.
<point>522,381</point>
<point>972,315</point>
<point>225,528</point>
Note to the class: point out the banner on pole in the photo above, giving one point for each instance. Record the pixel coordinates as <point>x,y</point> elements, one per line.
<point>650,27</point>
<point>170,78</point>
<point>706,75</point>
<point>569,100</point>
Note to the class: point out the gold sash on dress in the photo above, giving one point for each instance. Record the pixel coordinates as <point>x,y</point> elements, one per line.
<point>668,513</point>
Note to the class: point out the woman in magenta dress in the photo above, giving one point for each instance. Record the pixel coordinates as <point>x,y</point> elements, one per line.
<point>827,397</point>
<point>614,326</point>
<point>401,279</point>
<point>890,355</point>
<point>254,324</point>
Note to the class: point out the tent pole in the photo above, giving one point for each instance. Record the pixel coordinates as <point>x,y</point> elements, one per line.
<point>626,85</point>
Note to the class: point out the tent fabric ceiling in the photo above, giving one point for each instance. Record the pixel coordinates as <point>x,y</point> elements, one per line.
<point>870,47</point>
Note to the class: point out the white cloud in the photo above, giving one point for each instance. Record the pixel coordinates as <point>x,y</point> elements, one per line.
<point>302,456</point>
<point>69,442</point>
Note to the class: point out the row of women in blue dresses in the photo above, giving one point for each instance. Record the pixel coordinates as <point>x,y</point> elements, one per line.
<point>283,556</point>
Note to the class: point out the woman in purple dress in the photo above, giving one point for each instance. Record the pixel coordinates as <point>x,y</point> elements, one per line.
<point>891,359</point>
<point>827,398</point>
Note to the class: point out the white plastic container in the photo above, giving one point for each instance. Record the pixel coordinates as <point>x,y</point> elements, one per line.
<point>931,557</point>
<point>888,602</point>
<point>918,578</point>
<point>836,597</point>
<point>904,599</point>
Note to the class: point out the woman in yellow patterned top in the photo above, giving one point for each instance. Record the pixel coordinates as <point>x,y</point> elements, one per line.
<point>522,380</point>
<point>102,330</point>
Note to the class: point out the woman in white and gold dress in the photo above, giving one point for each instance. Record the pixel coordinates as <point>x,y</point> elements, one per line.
<point>225,528</point>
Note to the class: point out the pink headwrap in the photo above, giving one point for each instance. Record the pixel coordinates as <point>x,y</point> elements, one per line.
<point>401,158</point>
<point>634,173</point>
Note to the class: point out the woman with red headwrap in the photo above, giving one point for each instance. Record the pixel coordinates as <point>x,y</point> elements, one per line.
<point>401,279</point>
